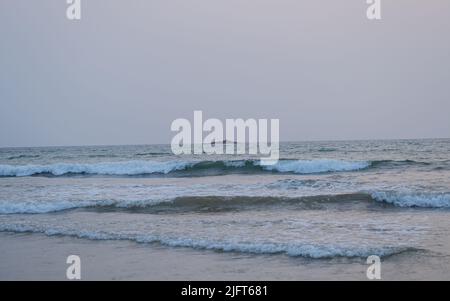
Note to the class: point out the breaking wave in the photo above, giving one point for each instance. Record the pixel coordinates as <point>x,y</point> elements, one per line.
<point>234,203</point>
<point>229,203</point>
<point>184,204</point>
<point>317,166</point>
<point>130,168</point>
<point>109,168</point>
<point>224,245</point>
<point>417,199</point>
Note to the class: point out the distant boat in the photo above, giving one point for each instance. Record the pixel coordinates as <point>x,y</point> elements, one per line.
<point>223,142</point>
<point>228,142</point>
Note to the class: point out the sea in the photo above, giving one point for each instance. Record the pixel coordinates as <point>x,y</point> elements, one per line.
<point>323,200</point>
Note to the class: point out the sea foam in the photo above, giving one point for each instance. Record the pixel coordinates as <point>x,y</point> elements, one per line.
<point>130,168</point>
<point>317,166</point>
<point>228,245</point>
<point>107,168</point>
<point>413,199</point>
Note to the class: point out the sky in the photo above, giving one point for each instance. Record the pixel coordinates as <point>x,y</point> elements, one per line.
<point>127,69</point>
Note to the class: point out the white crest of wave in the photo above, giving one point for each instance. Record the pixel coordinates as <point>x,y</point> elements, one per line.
<point>411,199</point>
<point>45,207</point>
<point>316,166</point>
<point>35,207</point>
<point>231,245</point>
<point>106,168</point>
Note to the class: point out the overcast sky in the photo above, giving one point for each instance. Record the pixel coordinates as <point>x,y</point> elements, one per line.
<point>124,72</point>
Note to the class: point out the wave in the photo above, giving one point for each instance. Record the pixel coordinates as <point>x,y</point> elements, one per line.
<point>291,249</point>
<point>216,203</point>
<point>396,163</point>
<point>185,204</point>
<point>417,199</point>
<point>155,167</point>
<point>47,207</point>
<point>135,168</point>
<point>109,168</point>
<point>317,166</point>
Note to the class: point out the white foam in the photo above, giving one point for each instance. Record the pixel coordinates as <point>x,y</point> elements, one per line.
<point>316,166</point>
<point>107,168</point>
<point>46,207</point>
<point>290,249</point>
<point>35,207</point>
<point>413,199</point>
<point>152,167</point>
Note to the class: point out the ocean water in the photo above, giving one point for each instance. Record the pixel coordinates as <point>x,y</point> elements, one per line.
<point>346,199</point>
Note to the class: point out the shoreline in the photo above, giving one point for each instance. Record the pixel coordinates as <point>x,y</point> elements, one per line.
<point>39,257</point>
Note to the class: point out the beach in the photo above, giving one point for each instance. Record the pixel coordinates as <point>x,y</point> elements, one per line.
<point>38,257</point>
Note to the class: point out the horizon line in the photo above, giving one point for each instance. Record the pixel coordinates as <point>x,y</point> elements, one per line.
<point>283,141</point>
